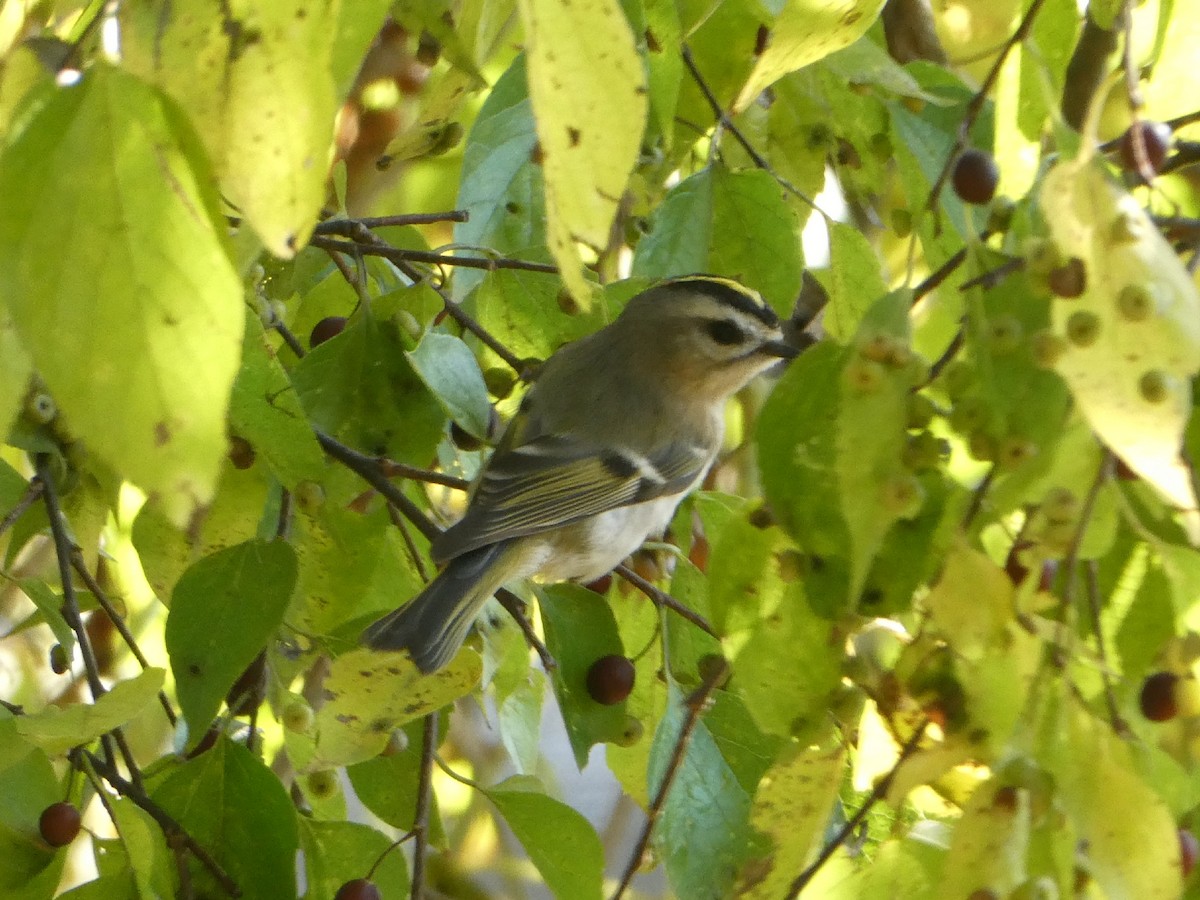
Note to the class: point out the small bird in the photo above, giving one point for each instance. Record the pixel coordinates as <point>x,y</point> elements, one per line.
<point>616,430</point>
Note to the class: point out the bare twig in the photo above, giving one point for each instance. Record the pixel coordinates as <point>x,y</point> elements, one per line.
<point>453,215</point>
<point>878,792</point>
<point>975,106</point>
<point>512,603</point>
<point>395,254</point>
<point>393,469</point>
<point>421,815</point>
<point>118,621</point>
<point>1090,569</point>
<point>696,704</point>
<point>944,271</point>
<point>31,496</point>
<point>663,599</point>
<point>1071,561</point>
<point>726,123</point>
<point>171,828</point>
<point>369,469</point>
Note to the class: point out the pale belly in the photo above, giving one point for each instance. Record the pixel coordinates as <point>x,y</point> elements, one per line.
<point>589,549</point>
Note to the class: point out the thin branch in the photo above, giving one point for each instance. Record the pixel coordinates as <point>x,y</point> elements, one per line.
<point>944,271</point>
<point>31,496</point>
<point>1071,561</point>
<point>369,469</point>
<point>696,704</point>
<point>878,792</point>
<point>395,254</point>
<point>663,599</point>
<point>726,123</point>
<point>171,828</point>
<point>515,608</point>
<point>421,814</point>
<point>1090,569</point>
<point>947,357</point>
<point>975,106</point>
<point>394,469</point>
<point>118,621</point>
<point>453,215</point>
<point>977,497</point>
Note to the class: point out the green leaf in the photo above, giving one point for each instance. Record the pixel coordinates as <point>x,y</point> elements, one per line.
<point>580,629</point>
<point>224,609</point>
<point>972,602</point>
<point>138,336</point>
<point>265,411</point>
<point>31,870</point>
<point>501,188</point>
<point>855,281</point>
<point>989,845</point>
<point>1144,309</point>
<point>370,693</point>
<point>586,161</point>
<point>228,801</point>
<point>15,369</point>
<point>559,841</point>
<point>450,371</point>
<point>387,784</point>
<point>256,83</point>
<point>351,566</point>
<point>792,806</point>
<point>726,223</point>
<point>57,730</point>
<point>337,852</point>
<point>804,32</point>
<point>360,387</point>
<point>703,832</point>
<point>151,863</point>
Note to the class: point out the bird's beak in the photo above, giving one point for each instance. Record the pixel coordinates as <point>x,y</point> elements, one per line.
<point>782,349</point>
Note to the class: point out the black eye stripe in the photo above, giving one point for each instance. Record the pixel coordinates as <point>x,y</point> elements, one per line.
<point>725,331</point>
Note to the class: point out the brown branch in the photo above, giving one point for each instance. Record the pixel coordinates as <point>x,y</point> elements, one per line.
<point>696,704</point>
<point>369,469</point>
<point>663,599</point>
<point>171,828</point>
<point>944,271</point>
<point>421,814</point>
<point>453,215</point>
<point>119,623</point>
<point>31,496</point>
<point>1086,71</point>
<point>724,122</point>
<point>878,792</point>
<point>975,106</point>
<point>512,603</point>
<point>1119,725</point>
<point>399,254</point>
<point>393,469</point>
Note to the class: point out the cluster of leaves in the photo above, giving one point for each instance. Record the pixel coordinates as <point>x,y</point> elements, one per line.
<point>939,597</point>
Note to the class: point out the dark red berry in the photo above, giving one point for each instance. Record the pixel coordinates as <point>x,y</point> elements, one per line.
<point>241,454</point>
<point>610,679</point>
<point>1189,849</point>
<point>358,889</point>
<point>59,823</point>
<point>1156,141</point>
<point>205,743</point>
<point>1069,279</point>
<point>1158,699</point>
<point>330,326</point>
<point>975,177</point>
<point>601,584</point>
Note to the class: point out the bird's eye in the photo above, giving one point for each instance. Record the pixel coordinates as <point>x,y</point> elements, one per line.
<point>726,331</point>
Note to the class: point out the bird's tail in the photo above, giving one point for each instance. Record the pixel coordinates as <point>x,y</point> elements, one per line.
<point>433,625</point>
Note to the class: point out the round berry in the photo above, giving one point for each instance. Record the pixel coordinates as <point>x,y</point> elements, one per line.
<point>1156,141</point>
<point>59,823</point>
<point>298,716</point>
<point>358,889</point>
<point>463,439</point>
<point>60,659</point>
<point>241,453</point>
<point>329,327</point>
<point>1158,700</point>
<point>1068,280</point>
<point>975,177</point>
<point>322,784</point>
<point>631,732</point>
<point>610,679</point>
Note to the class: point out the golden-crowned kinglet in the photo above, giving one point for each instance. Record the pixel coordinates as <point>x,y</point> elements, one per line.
<point>617,429</point>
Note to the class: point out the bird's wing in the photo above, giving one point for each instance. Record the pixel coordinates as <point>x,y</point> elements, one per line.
<point>553,481</point>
